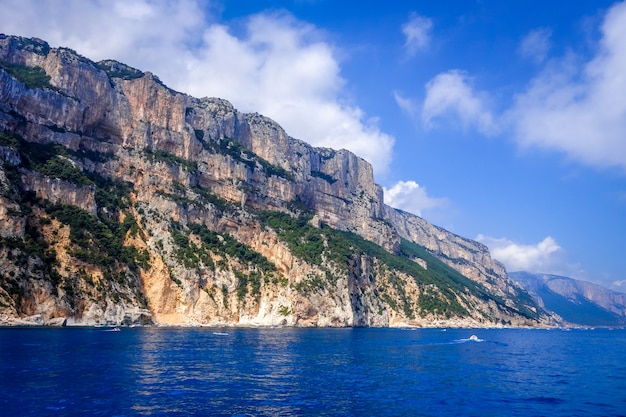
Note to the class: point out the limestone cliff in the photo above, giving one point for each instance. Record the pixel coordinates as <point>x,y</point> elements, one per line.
<point>576,302</point>
<point>469,257</point>
<point>124,201</point>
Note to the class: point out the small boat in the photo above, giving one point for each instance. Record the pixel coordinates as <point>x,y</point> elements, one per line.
<point>474,338</point>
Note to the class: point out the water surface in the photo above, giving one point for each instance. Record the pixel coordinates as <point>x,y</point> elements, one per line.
<point>339,372</point>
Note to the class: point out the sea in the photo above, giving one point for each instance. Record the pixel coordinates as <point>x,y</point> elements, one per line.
<point>152,371</point>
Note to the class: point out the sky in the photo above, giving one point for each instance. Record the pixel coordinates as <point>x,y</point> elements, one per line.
<point>501,121</point>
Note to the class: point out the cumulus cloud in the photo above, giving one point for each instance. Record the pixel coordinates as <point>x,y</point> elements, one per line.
<point>536,44</point>
<point>417,33</point>
<point>147,34</point>
<point>411,197</point>
<point>450,96</point>
<point>579,107</point>
<point>541,257</point>
<point>278,66</point>
<point>574,105</point>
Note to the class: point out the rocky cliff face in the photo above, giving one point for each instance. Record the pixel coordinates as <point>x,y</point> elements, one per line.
<point>469,257</point>
<point>577,302</point>
<point>126,202</point>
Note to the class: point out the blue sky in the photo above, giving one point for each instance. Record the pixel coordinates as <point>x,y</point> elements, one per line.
<point>502,121</point>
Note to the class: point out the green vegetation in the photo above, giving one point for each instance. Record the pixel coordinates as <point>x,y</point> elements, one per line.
<point>58,150</point>
<point>192,255</point>
<point>307,242</point>
<point>75,55</point>
<point>447,278</point>
<point>275,170</point>
<point>56,128</point>
<point>225,295</point>
<point>112,196</point>
<point>32,254</point>
<point>225,244</point>
<point>62,168</point>
<point>32,77</point>
<point>204,197</point>
<point>406,306</point>
<point>33,44</point>
<point>32,245</point>
<point>187,252</point>
<point>162,84</point>
<point>438,273</point>
<point>207,197</point>
<point>95,156</point>
<point>311,284</point>
<point>96,239</point>
<point>8,140</point>
<point>329,179</point>
<point>240,153</point>
<point>304,240</point>
<point>116,69</point>
<point>299,207</point>
<point>170,159</point>
<point>326,245</point>
<point>176,280</point>
<point>49,159</point>
<point>176,198</point>
<point>98,242</point>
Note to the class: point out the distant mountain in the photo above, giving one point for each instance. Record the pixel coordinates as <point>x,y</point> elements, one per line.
<point>577,302</point>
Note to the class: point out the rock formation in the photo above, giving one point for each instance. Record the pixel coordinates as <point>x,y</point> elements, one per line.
<point>576,302</point>
<point>123,201</point>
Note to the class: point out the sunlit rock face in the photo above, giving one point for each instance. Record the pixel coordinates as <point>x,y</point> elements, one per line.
<point>125,202</point>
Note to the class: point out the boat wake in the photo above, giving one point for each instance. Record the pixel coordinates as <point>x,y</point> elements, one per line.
<point>472,338</point>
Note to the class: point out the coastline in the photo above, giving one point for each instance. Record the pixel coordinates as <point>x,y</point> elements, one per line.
<point>38,321</point>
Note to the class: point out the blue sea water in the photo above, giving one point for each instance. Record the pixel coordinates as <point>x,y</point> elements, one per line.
<point>329,372</point>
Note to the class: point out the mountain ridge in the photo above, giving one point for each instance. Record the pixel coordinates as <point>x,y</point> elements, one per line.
<point>128,202</point>
<point>578,302</point>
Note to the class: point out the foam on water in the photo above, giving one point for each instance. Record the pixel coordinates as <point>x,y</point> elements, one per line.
<point>472,338</point>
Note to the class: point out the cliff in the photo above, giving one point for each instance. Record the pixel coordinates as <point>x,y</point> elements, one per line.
<point>124,201</point>
<point>578,302</point>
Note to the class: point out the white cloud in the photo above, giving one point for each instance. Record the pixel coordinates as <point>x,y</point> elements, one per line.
<point>541,257</point>
<point>449,96</point>
<point>407,105</point>
<point>279,66</point>
<point>536,44</point>
<point>574,106</point>
<point>417,32</point>
<point>147,34</point>
<point>619,284</point>
<point>134,10</point>
<point>411,197</point>
<point>579,107</point>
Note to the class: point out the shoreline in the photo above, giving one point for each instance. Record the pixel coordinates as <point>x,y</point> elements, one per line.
<point>61,322</point>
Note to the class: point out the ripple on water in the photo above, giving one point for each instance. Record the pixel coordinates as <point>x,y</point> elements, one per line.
<point>337,372</point>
